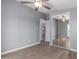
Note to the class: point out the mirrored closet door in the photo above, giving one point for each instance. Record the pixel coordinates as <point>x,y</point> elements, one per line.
<point>60,31</point>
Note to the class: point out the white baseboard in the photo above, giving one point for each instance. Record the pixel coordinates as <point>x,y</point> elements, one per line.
<point>13,50</point>
<point>65,48</point>
<point>73,50</point>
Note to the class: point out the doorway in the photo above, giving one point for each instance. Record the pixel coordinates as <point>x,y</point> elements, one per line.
<point>44,31</point>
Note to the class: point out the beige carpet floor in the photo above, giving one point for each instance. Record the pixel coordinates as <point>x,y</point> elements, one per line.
<point>41,51</point>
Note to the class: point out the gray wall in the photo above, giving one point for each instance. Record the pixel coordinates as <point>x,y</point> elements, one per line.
<point>72,23</point>
<point>73,28</point>
<point>53,29</point>
<point>19,25</point>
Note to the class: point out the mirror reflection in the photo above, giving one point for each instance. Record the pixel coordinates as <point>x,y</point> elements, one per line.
<point>62,31</point>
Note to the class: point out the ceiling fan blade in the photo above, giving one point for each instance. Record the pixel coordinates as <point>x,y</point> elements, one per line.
<point>46,7</point>
<point>26,2</point>
<point>36,9</point>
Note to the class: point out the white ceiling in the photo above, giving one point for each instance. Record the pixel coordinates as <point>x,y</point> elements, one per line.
<point>55,5</point>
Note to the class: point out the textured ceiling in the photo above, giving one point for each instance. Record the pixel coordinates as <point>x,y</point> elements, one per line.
<point>55,5</point>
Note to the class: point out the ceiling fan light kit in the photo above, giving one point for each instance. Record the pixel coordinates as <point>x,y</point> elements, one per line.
<point>38,4</point>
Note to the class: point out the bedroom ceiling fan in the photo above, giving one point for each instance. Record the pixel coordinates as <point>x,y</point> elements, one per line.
<point>38,4</point>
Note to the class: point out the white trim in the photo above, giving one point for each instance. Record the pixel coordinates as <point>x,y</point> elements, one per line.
<point>73,50</point>
<point>65,48</point>
<point>13,50</point>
